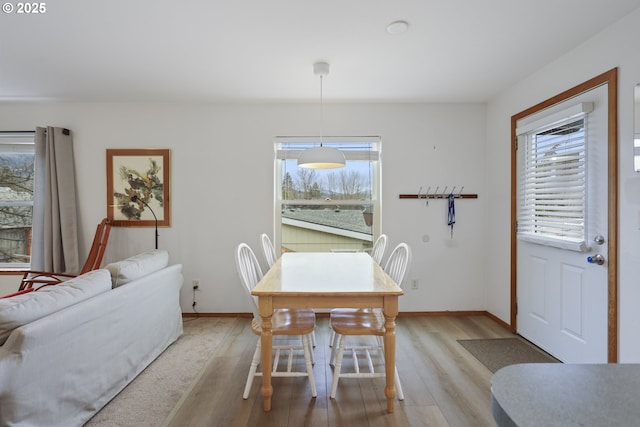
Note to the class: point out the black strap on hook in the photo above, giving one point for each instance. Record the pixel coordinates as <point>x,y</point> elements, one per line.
<point>451,213</point>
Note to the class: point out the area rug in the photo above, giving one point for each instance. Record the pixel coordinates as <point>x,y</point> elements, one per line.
<point>497,353</point>
<point>168,376</point>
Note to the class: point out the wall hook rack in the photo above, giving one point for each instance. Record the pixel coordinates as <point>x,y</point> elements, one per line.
<point>437,194</point>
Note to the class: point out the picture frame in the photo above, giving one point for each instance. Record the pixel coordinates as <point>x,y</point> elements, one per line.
<point>138,187</point>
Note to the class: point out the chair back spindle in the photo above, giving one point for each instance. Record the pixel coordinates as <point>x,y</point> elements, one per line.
<point>268,250</point>
<point>377,252</point>
<point>398,261</point>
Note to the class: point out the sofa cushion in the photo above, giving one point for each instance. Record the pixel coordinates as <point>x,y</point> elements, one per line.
<point>132,268</point>
<point>26,308</point>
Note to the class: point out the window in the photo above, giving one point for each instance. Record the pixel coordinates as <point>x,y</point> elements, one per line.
<point>17,160</point>
<point>553,181</point>
<point>322,210</point>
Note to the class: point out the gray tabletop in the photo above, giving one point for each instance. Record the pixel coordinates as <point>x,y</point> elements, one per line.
<point>554,394</point>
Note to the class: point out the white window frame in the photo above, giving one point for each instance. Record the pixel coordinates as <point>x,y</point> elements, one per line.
<point>374,155</point>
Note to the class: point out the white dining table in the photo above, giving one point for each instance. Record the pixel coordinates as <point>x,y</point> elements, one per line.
<point>327,280</point>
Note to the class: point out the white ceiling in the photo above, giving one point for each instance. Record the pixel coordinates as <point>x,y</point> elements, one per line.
<point>263,50</point>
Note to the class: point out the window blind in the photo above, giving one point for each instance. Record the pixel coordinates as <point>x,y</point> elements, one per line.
<point>552,185</point>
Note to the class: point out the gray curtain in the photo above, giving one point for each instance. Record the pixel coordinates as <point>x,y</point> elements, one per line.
<point>55,220</point>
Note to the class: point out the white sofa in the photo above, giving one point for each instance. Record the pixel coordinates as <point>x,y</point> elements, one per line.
<point>101,330</point>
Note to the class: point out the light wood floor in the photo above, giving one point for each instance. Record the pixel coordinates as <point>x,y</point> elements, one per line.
<point>443,384</point>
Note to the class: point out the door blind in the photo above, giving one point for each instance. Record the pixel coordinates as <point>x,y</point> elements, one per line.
<point>552,185</point>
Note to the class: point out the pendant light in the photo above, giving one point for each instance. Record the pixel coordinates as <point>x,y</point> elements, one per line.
<point>321,157</point>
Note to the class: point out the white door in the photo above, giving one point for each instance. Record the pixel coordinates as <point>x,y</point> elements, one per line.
<point>561,288</point>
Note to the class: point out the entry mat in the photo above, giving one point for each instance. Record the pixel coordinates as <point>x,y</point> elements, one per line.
<point>496,353</point>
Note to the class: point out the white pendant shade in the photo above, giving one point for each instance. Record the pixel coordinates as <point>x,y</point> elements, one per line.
<point>321,158</point>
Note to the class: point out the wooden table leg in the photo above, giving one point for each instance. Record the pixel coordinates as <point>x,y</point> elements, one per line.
<point>266,343</point>
<point>390,311</point>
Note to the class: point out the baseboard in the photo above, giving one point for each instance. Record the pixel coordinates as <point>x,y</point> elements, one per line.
<point>189,315</point>
<point>442,313</point>
<point>499,321</point>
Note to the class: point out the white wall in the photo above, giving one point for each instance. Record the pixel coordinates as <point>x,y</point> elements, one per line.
<point>222,184</point>
<point>617,46</point>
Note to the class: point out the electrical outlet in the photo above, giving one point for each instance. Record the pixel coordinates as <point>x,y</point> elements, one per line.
<point>196,284</point>
<point>414,284</point>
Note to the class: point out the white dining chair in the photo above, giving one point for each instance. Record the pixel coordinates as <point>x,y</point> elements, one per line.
<point>367,322</point>
<point>285,324</point>
<point>396,267</point>
<point>377,251</point>
<point>268,250</point>
<point>398,263</point>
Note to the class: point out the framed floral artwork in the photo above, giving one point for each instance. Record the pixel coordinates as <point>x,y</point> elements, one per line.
<point>138,187</point>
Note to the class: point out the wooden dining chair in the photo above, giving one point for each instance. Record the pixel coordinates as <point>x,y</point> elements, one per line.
<point>284,324</point>
<point>268,250</point>
<point>33,278</point>
<point>366,322</point>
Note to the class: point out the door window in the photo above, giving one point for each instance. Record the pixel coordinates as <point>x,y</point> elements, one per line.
<point>553,181</point>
